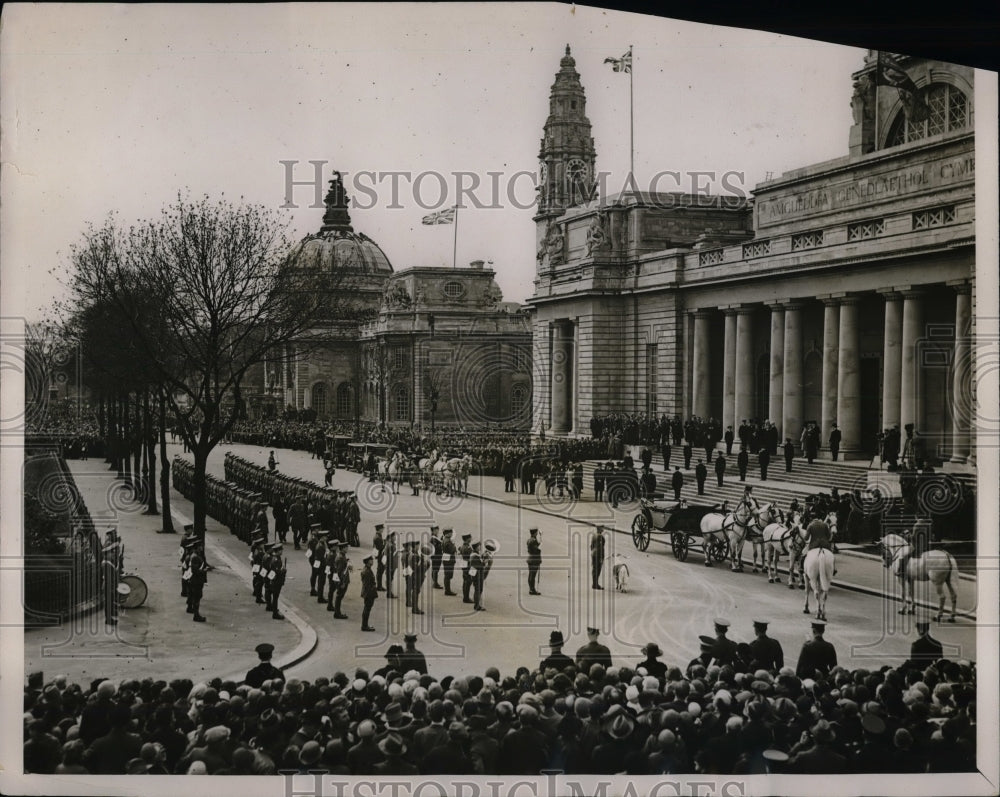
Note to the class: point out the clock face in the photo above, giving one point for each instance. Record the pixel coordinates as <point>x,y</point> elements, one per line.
<point>576,170</point>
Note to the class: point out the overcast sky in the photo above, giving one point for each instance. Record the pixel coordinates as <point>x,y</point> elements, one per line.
<point>111,107</point>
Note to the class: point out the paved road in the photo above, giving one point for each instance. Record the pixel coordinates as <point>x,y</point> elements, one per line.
<point>667,601</point>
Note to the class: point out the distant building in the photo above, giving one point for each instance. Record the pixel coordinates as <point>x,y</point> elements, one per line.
<point>409,349</point>
<point>842,292</point>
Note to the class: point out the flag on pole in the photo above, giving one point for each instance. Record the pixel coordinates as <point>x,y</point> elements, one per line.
<point>623,64</point>
<point>889,72</point>
<point>446,216</point>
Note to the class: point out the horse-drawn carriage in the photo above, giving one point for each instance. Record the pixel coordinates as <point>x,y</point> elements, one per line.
<point>683,523</point>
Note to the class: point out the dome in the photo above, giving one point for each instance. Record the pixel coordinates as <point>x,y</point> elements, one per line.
<point>343,250</point>
<point>567,60</point>
<point>336,247</point>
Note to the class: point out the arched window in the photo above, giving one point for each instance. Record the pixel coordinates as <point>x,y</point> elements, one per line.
<point>319,398</point>
<point>946,109</point>
<point>518,400</point>
<point>344,408</point>
<point>401,395</point>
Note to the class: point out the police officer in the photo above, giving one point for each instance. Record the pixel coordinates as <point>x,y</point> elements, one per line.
<point>465,551</point>
<point>534,561</point>
<point>597,543</point>
<point>593,652</point>
<point>198,569</point>
<point>265,671</point>
<point>378,545</point>
<point>435,556</point>
<point>448,552</point>
<point>766,653</point>
<point>369,592</point>
<point>724,650</point>
<point>816,654</point>
<point>341,578</point>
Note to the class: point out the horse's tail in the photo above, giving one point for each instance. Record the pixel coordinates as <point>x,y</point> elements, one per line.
<point>824,574</point>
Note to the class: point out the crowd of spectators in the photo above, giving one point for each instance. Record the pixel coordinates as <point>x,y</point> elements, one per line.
<point>69,423</point>
<point>641,718</point>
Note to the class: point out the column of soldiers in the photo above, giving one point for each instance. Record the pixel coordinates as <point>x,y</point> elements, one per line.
<point>240,509</point>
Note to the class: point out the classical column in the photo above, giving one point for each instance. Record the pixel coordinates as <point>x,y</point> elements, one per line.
<point>962,410</point>
<point>849,377</point>
<point>702,379</point>
<point>910,404</point>
<point>744,408</point>
<point>729,373</point>
<point>791,405</point>
<point>892,359</point>
<point>775,394</point>
<point>831,334</point>
<point>562,377</point>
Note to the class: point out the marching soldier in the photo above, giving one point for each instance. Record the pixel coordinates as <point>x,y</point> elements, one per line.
<point>341,578</point>
<point>390,562</point>
<point>597,543</point>
<point>435,556</point>
<point>378,544</point>
<point>276,571</point>
<point>448,552</point>
<point>420,564</point>
<point>534,561</point>
<point>369,592</point>
<point>465,550</point>
<point>198,570</point>
<point>257,552</point>
<point>297,518</point>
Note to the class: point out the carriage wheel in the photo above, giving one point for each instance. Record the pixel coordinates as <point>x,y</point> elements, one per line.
<point>137,592</point>
<point>717,550</point>
<point>640,532</point>
<point>679,544</point>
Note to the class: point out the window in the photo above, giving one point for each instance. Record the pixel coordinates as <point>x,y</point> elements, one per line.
<point>943,108</point>
<point>522,360</point>
<point>518,400</point>
<point>807,240</point>
<point>399,357</point>
<point>934,217</point>
<point>651,377</point>
<point>319,398</point>
<point>865,229</point>
<point>344,408</point>
<point>454,290</point>
<point>402,400</point>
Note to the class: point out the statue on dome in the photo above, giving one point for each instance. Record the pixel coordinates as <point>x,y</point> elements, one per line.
<point>336,197</point>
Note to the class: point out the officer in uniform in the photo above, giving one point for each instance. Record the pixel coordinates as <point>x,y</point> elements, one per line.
<point>730,438</point>
<point>593,652</point>
<point>597,543</point>
<point>280,510</point>
<point>198,570</point>
<point>816,654</point>
<point>419,564</point>
<point>448,551</point>
<point>369,592</point>
<point>435,556</point>
<point>353,519</point>
<point>265,671</point>
<point>297,518</point>
<point>411,658</point>
<point>534,561</point>
<point>720,468</point>
<point>316,556</point>
<point>465,551</point>
<point>835,438</point>
<point>480,565</point>
<point>257,552</point>
<point>700,475</point>
<point>378,544</point>
<point>724,650</point>
<point>925,649</point>
<point>742,463</point>
<point>407,571</point>
<point>342,578</point>
<point>766,653</point>
<point>763,460</point>
<point>557,660</point>
<point>390,562</point>
<point>789,451</point>
<point>276,571</point>
<point>185,554</point>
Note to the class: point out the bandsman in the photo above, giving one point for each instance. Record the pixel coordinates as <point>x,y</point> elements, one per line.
<point>369,592</point>
<point>342,578</point>
<point>448,551</point>
<point>465,551</point>
<point>435,556</point>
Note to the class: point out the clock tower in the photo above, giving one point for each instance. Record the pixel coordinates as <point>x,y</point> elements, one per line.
<point>566,158</point>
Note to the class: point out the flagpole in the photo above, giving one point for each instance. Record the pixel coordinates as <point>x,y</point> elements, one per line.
<point>454,251</point>
<point>631,117</point>
<point>878,76</point>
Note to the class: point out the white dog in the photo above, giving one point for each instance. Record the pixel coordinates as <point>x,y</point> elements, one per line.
<point>621,572</point>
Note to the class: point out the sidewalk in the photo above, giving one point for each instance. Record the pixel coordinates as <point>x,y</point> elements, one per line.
<point>159,640</point>
<point>856,570</point>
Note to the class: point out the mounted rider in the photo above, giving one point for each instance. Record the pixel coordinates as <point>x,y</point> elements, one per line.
<point>818,533</point>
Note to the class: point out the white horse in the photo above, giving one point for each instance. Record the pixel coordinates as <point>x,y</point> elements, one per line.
<point>752,529</point>
<point>441,476</point>
<point>782,539</point>
<point>937,567</point>
<point>458,472</point>
<point>716,525</point>
<point>818,569</point>
<point>393,470</point>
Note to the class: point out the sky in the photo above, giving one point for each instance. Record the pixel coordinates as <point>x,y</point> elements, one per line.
<point>117,108</point>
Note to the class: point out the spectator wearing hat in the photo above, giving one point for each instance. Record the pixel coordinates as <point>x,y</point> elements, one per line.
<point>724,650</point>
<point>651,663</point>
<point>448,553</point>
<point>309,756</point>
<point>450,757</point>
<point>430,736</point>
<point>411,658</point>
<point>369,592</point>
<point>525,749</point>
<point>597,543</point>
<point>817,655</point>
<point>264,670</point>
<point>484,749</point>
<point>362,757</point>
<point>765,652</point>
<point>874,752</point>
<point>534,561</point>
<point>593,652</point>
<point>215,753</point>
<point>835,438</point>
<point>556,659</point>
<point>394,748</point>
<point>816,755</point>
<point>925,649</point>
<point>42,752</point>
<point>618,726</point>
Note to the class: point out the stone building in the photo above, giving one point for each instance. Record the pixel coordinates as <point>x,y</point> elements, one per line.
<point>421,347</point>
<point>842,292</point>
